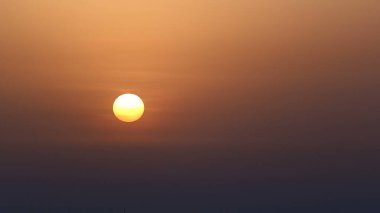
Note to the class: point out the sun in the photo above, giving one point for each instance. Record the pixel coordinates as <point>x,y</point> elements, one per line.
<point>128,107</point>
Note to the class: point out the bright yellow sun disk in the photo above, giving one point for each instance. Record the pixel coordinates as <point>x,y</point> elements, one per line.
<point>128,107</point>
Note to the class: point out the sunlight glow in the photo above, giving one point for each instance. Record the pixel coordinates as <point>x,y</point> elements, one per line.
<point>128,107</point>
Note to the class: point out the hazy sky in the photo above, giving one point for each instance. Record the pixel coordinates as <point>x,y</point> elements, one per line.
<point>248,103</point>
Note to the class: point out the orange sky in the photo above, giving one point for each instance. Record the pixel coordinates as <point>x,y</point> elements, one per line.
<point>271,100</point>
<point>191,61</point>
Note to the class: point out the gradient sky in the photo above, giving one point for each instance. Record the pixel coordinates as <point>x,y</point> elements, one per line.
<point>249,104</point>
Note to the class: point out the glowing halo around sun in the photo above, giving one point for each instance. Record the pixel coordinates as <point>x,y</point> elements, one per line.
<point>128,107</point>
